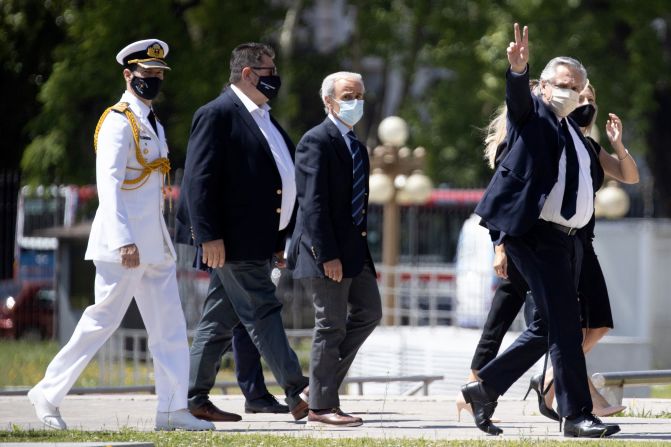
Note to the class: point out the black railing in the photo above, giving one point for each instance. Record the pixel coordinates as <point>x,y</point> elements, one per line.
<point>9,193</point>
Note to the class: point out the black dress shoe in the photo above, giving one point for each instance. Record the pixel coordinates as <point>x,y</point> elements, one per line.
<point>588,426</point>
<point>265,404</point>
<point>483,402</point>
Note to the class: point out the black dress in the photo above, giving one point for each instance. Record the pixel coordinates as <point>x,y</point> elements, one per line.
<point>592,290</point>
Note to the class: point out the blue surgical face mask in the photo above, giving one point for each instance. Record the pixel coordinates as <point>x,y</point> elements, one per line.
<point>350,111</point>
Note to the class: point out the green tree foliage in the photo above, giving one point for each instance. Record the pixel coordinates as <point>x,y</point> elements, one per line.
<point>86,78</point>
<point>438,63</point>
<point>624,44</point>
<point>29,29</point>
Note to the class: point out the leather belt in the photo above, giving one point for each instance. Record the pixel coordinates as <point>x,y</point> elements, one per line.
<point>564,229</point>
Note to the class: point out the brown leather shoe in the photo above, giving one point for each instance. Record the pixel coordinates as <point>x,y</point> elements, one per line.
<point>300,410</point>
<point>209,412</point>
<point>305,394</point>
<point>333,417</point>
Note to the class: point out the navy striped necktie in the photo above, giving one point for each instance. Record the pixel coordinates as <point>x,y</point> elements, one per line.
<point>358,179</point>
<point>568,204</point>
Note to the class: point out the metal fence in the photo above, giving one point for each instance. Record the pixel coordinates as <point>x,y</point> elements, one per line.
<point>420,296</point>
<point>125,360</point>
<point>421,291</point>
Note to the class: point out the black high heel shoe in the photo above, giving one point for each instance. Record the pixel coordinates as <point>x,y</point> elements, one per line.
<point>535,384</point>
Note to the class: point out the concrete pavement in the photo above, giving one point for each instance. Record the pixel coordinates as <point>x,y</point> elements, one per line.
<point>432,417</point>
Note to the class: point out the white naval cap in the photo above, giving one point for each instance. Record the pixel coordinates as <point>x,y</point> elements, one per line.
<point>147,53</point>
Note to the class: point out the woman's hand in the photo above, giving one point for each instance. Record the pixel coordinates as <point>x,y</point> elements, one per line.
<point>614,130</point>
<point>500,262</point>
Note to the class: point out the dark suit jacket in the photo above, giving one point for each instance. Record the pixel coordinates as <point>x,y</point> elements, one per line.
<point>523,179</point>
<point>231,189</point>
<point>324,226</point>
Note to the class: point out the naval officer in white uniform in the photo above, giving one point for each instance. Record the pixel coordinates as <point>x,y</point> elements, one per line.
<point>131,249</point>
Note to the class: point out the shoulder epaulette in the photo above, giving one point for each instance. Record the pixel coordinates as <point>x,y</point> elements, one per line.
<point>161,164</point>
<point>120,107</point>
<point>123,108</point>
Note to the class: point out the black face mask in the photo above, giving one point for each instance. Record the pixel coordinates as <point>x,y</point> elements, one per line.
<point>269,85</point>
<point>583,115</point>
<point>146,88</point>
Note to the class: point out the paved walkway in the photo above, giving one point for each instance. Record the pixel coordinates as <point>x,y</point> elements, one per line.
<point>392,417</point>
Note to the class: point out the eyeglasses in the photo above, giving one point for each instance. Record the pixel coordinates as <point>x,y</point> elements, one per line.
<point>273,69</point>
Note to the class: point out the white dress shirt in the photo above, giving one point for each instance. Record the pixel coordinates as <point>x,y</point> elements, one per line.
<point>280,151</point>
<point>584,202</point>
<point>344,130</point>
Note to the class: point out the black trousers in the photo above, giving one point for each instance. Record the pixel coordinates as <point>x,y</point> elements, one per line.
<point>549,261</point>
<point>248,370</point>
<point>507,301</point>
<point>248,298</point>
<point>511,294</point>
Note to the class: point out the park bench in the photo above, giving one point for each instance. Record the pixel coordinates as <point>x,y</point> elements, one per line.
<point>611,384</point>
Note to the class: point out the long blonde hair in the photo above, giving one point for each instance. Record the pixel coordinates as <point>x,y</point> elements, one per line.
<point>588,129</point>
<point>495,133</point>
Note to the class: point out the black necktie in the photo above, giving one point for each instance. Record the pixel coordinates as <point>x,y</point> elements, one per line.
<point>152,120</point>
<point>568,203</point>
<point>358,179</point>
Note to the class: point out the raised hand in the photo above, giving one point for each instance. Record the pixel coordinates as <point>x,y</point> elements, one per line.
<point>518,51</point>
<point>614,129</point>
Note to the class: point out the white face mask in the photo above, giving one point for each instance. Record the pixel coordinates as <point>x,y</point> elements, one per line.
<point>563,101</point>
<point>350,111</point>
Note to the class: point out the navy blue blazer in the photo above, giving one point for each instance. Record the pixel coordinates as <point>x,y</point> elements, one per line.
<point>231,188</point>
<point>514,198</point>
<point>325,229</point>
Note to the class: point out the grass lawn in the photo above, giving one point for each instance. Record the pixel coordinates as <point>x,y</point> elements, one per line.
<point>24,362</point>
<point>661,392</point>
<point>240,440</point>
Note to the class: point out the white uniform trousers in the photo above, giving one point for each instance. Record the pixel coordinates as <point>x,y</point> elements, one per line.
<point>154,287</point>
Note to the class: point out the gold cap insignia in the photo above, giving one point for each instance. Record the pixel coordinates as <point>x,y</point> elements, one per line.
<point>155,50</point>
